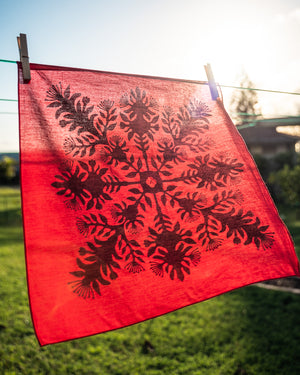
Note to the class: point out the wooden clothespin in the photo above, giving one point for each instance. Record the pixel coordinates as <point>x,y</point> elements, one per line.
<point>24,57</point>
<point>211,82</point>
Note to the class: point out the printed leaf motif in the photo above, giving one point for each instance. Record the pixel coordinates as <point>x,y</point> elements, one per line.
<point>116,184</point>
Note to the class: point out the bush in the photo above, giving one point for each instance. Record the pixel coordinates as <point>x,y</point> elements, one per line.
<point>9,173</point>
<point>263,164</point>
<point>288,180</point>
<point>268,168</point>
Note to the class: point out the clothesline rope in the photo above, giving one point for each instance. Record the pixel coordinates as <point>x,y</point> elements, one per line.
<point>226,86</point>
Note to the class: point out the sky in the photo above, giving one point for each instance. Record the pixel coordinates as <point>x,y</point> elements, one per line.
<point>166,38</point>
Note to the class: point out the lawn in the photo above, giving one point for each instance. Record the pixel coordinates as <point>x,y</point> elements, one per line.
<point>247,331</point>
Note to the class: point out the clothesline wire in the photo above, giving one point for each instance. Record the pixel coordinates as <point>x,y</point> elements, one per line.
<point>264,90</point>
<point>8,61</point>
<point>226,86</point>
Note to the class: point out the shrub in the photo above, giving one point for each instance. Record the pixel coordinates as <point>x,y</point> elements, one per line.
<point>288,180</point>
<point>8,171</point>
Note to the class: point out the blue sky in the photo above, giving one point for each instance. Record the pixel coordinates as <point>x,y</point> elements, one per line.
<point>167,38</point>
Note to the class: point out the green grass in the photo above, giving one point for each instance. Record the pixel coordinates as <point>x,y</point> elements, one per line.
<point>247,331</point>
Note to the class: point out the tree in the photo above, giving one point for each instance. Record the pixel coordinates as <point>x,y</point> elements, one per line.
<point>244,103</point>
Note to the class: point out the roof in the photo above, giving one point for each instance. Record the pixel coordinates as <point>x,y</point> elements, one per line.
<point>273,122</point>
<point>260,134</point>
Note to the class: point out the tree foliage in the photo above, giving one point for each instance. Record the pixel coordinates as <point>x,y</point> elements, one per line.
<point>244,103</point>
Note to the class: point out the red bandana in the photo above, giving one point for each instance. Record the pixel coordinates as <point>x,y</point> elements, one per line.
<point>139,198</point>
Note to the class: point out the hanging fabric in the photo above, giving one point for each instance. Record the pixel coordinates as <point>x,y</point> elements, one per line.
<point>139,197</point>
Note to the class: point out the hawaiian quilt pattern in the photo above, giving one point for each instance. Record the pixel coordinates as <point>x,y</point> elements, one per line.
<point>129,183</point>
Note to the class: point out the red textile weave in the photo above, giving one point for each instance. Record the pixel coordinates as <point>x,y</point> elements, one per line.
<point>139,197</point>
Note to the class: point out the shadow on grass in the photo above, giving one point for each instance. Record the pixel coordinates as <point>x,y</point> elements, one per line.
<point>270,322</point>
<point>10,235</point>
<point>12,216</point>
<point>245,332</point>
